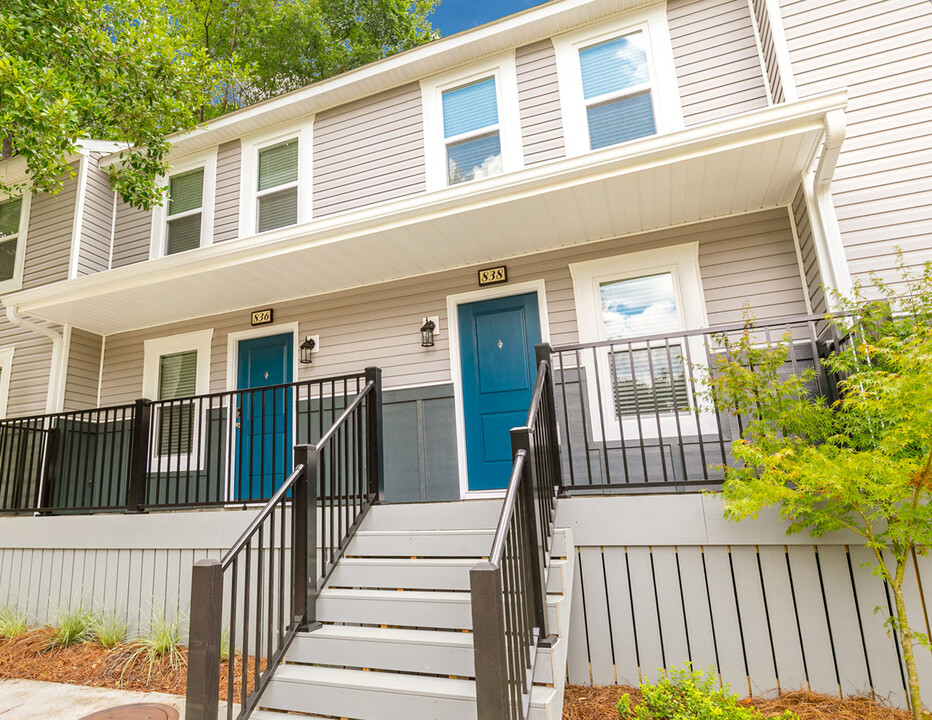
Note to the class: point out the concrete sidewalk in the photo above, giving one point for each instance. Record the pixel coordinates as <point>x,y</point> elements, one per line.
<point>34,700</point>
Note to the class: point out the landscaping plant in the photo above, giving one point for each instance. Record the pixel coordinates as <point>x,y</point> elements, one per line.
<point>688,694</point>
<point>862,463</point>
<point>109,628</point>
<point>161,642</point>
<point>12,623</point>
<point>73,624</point>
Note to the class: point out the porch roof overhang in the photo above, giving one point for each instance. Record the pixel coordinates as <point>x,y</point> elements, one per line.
<point>749,162</point>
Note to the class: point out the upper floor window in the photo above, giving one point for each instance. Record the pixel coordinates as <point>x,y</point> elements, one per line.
<point>471,123</point>
<point>278,186</point>
<point>14,217</point>
<point>185,220</point>
<point>617,81</point>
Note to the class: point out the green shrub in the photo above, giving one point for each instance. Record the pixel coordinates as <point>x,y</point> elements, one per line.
<point>688,695</point>
<point>109,628</point>
<point>73,624</point>
<point>225,644</point>
<point>12,623</point>
<point>162,640</point>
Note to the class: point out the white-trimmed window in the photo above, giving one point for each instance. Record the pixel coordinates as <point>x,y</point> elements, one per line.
<point>617,81</point>
<point>627,297</point>
<point>6,366</point>
<point>185,220</point>
<point>276,180</point>
<point>176,367</point>
<point>14,219</point>
<point>471,123</point>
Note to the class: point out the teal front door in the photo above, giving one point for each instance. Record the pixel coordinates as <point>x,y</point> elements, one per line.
<point>497,339</point>
<point>263,416</point>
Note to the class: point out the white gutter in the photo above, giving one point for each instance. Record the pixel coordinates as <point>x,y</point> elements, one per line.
<point>55,399</point>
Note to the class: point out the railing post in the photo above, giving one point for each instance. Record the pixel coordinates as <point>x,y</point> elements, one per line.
<point>488,623</point>
<point>544,352</point>
<point>46,487</point>
<point>203,691</point>
<point>304,553</point>
<point>139,456</point>
<point>375,460</point>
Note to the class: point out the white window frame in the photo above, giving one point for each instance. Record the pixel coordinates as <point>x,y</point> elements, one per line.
<point>502,68</point>
<point>154,350</point>
<point>19,262</point>
<point>664,89</point>
<point>682,262</point>
<point>6,366</point>
<point>249,175</point>
<point>208,161</point>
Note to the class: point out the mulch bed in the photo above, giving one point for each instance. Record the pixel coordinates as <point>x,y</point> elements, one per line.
<point>598,703</point>
<point>30,658</point>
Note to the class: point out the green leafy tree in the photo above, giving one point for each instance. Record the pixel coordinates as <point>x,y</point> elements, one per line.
<point>122,70</point>
<point>862,463</point>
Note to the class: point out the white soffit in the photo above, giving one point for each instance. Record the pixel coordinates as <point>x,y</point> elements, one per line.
<point>749,163</point>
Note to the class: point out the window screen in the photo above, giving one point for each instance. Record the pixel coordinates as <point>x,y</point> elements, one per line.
<point>278,186</point>
<point>177,379</point>
<point>616,88</point>
<point>185,199</point>
<point>471,131</point>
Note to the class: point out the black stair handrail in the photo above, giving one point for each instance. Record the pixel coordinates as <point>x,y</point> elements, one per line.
<point>509,590</point>
<point>284,567</point>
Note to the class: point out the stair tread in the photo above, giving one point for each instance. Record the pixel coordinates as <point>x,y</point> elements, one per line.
<point>390,635</point>
<point>445,596</point>
<point>377,681</point>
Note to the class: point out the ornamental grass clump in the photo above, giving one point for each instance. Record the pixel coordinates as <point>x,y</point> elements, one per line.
<point>73,624</point>
<point>158,646</point>
<point>689,694</point>
<point>12,623</point>
<point>109,629</point>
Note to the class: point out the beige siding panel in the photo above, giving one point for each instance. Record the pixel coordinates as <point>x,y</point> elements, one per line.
<point>97,221</point>
<point>29,376</point>
<point>807,251</point>
<point>48,241</point>
<point>369,151</point>
<point>539,103</point>
<point>747,258</point>
<point>226,204</point>
<point>884,175</point>
<point>768,50</point>
<point>717,64</point>
<point>132,231</point>
<point>83,370</point>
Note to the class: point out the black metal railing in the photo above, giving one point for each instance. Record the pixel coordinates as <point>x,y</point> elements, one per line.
<point>226,448</point>
<point>638,415</point>
<point>250,604</point>
<point>509,591</point>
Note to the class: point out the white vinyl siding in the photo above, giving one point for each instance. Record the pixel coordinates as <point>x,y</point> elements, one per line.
<point>539,101</point>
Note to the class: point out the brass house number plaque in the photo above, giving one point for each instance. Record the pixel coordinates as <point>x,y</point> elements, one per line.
<point>493,276</point>
<point>261,317</point>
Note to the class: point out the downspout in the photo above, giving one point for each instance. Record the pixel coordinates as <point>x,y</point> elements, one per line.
<point>817,186</point>
<point>55,398</point>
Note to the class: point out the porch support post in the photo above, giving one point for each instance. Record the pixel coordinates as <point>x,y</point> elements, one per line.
<point>544,352</point>
<point>491,655</point>
<point>139,456</point>
<point>375,460</point>
<point>304,554</point>
<point>203,691</point>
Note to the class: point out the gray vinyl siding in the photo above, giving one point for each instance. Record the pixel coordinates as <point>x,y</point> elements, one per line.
<point>48,240</point>
<point>749,258</point>
<point>717,64</point>
<point>83,370</point>
<point>132,231</point>
<point>882,53</point>
<point>226,203</point>
<point>97,221</point>
<point>768,50</point>
<point>369,151</point>
<point>29,375</point>
<point>539,103</point>
<point>807,251</point>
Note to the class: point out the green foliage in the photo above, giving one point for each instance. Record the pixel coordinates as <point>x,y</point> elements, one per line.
<point>109,628</point>
<point>225,644</point>
<point>862,463</point>
<point>12,623</point>
<point>73,624</point>
<point>688,695</point>
<point>161,641</point>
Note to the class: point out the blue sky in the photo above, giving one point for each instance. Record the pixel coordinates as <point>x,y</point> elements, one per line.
<point>453,16</point>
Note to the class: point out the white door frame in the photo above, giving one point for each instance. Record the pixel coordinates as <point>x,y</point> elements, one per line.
<point>456,369</point>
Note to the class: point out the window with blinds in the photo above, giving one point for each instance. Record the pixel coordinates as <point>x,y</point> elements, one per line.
<point>646,380</point>
<point>471,131</point>
<point>9,236</point>
<point>278,186</point>
<point>177,379</point>
<point>185,204</point>
<point>617,90</point>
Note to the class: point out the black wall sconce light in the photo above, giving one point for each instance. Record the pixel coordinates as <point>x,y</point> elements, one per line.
<point>307,349</point>
<point>428,330</point>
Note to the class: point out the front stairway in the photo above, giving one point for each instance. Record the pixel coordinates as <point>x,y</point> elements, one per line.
<point>396,640</point>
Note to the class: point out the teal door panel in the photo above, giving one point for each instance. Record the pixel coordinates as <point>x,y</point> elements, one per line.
<point>264,416</point>
<point>497,339</point>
